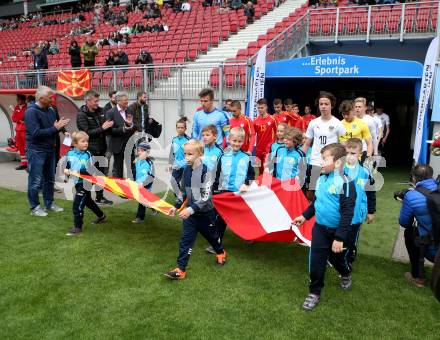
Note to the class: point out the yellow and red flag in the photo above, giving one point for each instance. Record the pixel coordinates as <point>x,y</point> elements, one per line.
<point>128,189</point>
<point>74,83</point>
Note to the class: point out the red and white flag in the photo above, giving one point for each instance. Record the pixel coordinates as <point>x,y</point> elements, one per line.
<point>266,211</point>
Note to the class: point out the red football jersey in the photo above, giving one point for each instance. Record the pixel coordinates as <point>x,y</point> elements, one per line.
<point>266,131</point>
<point>245,123</point>
<point>293,118</point>
<point>307,119</point>
<point>282,118</point>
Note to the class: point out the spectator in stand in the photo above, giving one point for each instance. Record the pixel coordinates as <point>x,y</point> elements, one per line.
<point>111,59</point>
<point>125,30</point>
<point>102,41</point>
<point>177,6</point>
<point>54,48</point>
<point>148,12</point>
<point>20,129</point>
<point>158,27</point>
<point>89,50</point>
<point>125,40</point>
<point>39,56</point>
<point>149,27</point>
<point>207,3</point>
<point>145,58</point>
<point>156,11</point>
<point>75,54</point>
<point>121,58</point>
<point>42,128</point>
<point>249,12</point>
<point>112,39</point>
<point>186,7</point>
<point>236,4</point>
<point>137,28</point>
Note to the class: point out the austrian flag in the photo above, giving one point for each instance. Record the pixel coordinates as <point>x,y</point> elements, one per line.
<point>266,211</point>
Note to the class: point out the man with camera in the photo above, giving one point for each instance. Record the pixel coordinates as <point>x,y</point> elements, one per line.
<point>418,217</point>
<point>145,58</point>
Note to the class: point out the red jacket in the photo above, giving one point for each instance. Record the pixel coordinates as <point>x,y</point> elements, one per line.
<point>18,117</point>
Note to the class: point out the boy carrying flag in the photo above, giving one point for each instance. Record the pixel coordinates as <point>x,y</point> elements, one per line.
<point>333,208</point>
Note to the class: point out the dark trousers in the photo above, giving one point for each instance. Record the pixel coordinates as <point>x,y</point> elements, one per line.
<point>220,225</point>
<point>118,165</point>
<point>353,241</point>
<point>413,249</point>
<point>197,223</point>
<point>176,177</point>
<point>83,198</point>
<point>142,208</point>
<point>89,63</point>
<point>41,165</point>
<point>104,171</point>
<point>320,252</point>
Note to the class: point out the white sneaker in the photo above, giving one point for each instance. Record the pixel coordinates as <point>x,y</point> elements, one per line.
<point>37,211</point>
<point>55,208</point>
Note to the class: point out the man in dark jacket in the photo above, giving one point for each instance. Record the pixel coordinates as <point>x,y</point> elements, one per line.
<point>91,120</point>
<point>139,112</point>
<point>42,129</point>
<point>112,102</point>
<point>121,58</point>
<point>39,57</point>
<point>120,132</point>
<point>418,237</point>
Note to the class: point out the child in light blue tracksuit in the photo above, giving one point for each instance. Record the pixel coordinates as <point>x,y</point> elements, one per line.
<point>144,175</point>
<point>176,159</point>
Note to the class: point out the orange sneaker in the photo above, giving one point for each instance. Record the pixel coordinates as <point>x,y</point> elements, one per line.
<point>176,274</point>
<point>220,259</point>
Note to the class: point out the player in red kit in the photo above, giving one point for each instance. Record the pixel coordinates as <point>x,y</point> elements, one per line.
<point>279,115</point>
<point>240,120</point>
<point>292,110</point>
<point>308,117</point>
<point>266,129</point>
<point>20,130</point>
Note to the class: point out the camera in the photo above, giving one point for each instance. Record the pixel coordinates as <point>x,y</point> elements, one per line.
<point>400,194</point>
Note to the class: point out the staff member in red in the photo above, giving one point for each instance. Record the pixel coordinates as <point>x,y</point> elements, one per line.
<point>20,130</point>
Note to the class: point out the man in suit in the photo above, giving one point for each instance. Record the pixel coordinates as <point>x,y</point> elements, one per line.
<point>120,132</point>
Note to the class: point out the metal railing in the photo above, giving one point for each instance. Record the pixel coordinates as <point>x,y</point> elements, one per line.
<point>163,81</point>
<point>287,43</point>
<point>401,21</point>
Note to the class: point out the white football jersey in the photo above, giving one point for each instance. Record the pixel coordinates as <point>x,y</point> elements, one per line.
<point>323,133</point>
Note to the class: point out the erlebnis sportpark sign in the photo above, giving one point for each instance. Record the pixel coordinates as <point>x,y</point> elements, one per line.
<point>344,66</point>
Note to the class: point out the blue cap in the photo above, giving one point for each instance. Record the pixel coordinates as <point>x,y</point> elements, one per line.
<point>144,146</point>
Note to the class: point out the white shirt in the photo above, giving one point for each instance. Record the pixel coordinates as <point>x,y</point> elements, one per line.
<point>186,7</point>
<point>367,119</point>
<point>323,133</point>
<point>384,118</point>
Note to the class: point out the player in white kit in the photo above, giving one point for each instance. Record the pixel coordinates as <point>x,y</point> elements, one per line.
<point>321,131</point>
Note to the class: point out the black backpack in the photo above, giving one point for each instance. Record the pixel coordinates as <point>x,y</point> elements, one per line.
<point>433,204</point>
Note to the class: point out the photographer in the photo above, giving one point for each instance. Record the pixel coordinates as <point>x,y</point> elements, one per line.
<point>415,217</point>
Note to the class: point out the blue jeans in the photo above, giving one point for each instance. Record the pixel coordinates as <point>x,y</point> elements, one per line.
<point>41,165</point>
